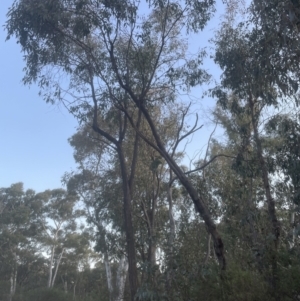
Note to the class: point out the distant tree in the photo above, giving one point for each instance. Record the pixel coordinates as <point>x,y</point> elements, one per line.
<point>57,225</point>
<point>18,210</point>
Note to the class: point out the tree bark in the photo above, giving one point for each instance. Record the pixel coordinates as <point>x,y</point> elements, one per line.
<point>293,226</point>
<point>171,237</point>
<point>133,279</point>
<point>50,267</point>
<point>108,277</point>
<point>56,267</point>
<point>11,294</point>
<point>13,278</point>
<point>121,278</point>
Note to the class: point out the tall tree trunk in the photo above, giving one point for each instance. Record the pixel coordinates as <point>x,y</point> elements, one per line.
<point>133,279</point>
<point>152,223</point>
<point>50,267</point>
<point>127,183</point>
<point>293,226</point>
<point>13,279</point>
<point>11,294</point>
<point>121,278</point>
<point>74,290</point>
<point>108,277</point>
<point>171,237</point>
<point>171,216</point>
<point>208,249</point>
<point>56,267</point>
<point>270,201</point>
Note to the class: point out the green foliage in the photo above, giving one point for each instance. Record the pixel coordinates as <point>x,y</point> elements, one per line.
<point>122,63</point>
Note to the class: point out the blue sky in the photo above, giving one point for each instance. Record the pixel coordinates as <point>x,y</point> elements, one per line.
<point>34,147</point>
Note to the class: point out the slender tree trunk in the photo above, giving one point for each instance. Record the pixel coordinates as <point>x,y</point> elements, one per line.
<point>255,241</point>
<point>265,178</point>
<point>152,250</point>
<point>74,291</point>
<point>251,209</point>
<point>108,277</point>
<point>121,278</point>
<point>293,226</point>
<point>208,249</point>
<point>50,267</point>
<point>202,210</point>
<point>56,267</point>
<point>11,293</point>
<point>13,279</point>
<point>196,198</point>
<point>171,216</point>
<point>171,237</point>
<point>133,279</point>
<point>152,225</point>
<point>270,201</point>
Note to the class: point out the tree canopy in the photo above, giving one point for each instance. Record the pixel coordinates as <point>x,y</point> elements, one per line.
<point>135,223</point>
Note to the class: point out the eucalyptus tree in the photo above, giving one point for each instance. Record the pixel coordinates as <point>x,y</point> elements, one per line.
<point>77,259</point>
<point>260,68</point>
<point>276,32</point>
<point>17,229</point>
<point>97,181</point>
<point>113,130</point>
<point>102,198</point>
<point>113,55</point>
<point>57,222</point>
<point>283,132</point>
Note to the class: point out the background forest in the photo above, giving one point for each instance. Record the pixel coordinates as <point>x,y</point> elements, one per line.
<point>138,219</point>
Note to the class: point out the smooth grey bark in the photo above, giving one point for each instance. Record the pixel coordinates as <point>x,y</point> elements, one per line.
<point>51,267</point>
<point>108,277</point>
<point>11,293</point>
<point>171,237</point>
<point>74,290</point>
<point>116,293</point>
<point>150,217</point>
<point>121,278</point>
<point>293,226</point>
<point>13,278</point>
<point>56,267</point>
<point>170,211</point>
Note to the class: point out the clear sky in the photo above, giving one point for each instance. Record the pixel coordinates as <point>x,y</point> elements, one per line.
<point>34,147</point>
